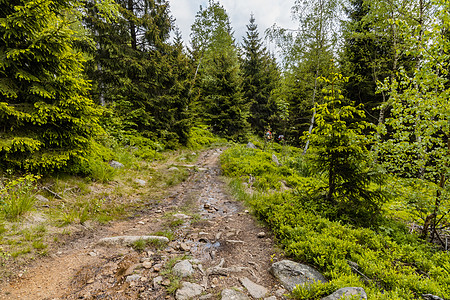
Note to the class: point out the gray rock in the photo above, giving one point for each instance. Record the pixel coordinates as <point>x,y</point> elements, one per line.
<point>128,240</point>
<point>157,280</point>
<point>275,160</point>
<point>261,234</point>
<point>116,164</point>
<point>281,292</point>
<point>271,298</point>
<point>40,198</point>
<point>140,182</point>
<point>183,269</point>
<point>230,294</point>
<point>188,291</point>
<point>255,290</point>
<point>181,216</point>
<point>251,145</point>
<point>290,274</point>
<point>134,277</point>
<point>347,292</point>
<point>431,297</point>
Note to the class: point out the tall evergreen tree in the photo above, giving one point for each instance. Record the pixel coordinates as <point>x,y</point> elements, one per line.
<point>46,119</point>
<point>220,102</point>
<point>143,76</point>
<point>261,76</point>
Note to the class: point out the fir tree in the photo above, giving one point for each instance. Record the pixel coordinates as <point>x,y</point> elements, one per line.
<point>139,73</point>
<point>261,76</point>
<point>220,102</point>
<point>46,119</point>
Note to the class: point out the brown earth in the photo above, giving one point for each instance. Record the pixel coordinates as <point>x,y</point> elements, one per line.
<point>209,226</point>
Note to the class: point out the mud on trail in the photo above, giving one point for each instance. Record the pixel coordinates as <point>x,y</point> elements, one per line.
<point>224,244</point>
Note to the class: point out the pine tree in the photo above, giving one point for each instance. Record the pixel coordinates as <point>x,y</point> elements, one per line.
<point>46,119</point>
<point>261,76</point>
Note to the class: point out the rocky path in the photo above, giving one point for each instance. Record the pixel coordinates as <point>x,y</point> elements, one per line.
<point>218,251</point>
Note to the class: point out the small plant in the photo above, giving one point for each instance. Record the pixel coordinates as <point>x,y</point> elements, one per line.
<point>316,290</point>
<point>17,196</point>
<point>39,245</point>
<point>139,245</point>
<point>100,171</point>
<point>167,233</point>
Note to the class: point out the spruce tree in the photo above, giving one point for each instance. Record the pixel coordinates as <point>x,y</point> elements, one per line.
<point>139,73</point>
<point>46,119</point>
<point>220,102</point>
<point>261,76</point>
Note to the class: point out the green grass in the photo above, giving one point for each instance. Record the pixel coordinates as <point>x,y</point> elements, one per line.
<point>17,197</point>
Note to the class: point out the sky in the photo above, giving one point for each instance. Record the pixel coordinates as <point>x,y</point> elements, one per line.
<point>266,13</point>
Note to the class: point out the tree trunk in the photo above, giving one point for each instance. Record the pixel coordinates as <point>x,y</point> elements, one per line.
<point>132,26</point>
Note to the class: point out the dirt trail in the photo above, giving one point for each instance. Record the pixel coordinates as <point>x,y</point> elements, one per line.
<point>210,227</point>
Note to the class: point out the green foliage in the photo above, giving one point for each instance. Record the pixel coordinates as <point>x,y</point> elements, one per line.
<point>200,137</point>
<point>143,78</point>
<point>47,120</point>
<point>17,196</point>
<point>340,153</point>
<point>417,133</point>
<point>329,245</point>
<point>390,262</point>
<point>220,102</point>
<point>260,77</point>
<point>316,290</point>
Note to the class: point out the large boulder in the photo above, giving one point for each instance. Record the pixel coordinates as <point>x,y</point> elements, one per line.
<point>347,292</point>
<point>291,273</point>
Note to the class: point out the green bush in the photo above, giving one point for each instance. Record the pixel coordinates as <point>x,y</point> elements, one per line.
<point>200,137</point>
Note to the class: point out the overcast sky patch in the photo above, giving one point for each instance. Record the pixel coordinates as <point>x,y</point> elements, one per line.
<point>266,12</point>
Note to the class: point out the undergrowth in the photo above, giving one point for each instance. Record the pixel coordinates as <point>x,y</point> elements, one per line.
<point>383,257</point>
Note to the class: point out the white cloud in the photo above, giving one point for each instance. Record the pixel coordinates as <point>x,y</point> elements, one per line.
<point>266,12</point>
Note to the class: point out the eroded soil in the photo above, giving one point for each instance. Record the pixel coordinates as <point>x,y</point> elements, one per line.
<point>209,227</point>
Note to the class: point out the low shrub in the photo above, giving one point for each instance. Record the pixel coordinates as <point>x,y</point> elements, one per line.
<point>386,260</point>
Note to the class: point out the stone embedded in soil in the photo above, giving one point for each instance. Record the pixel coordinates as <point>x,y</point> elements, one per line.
<point>147,264</point>
<point>128,240</point>
<point>157,267</point>
<point>290,274</point>
<point>184,247</point>
<point>140,182</point>
<point>431,297</point>
<point>165,282</point>
<point>271,298</point>
<point>157,280</point>
<point>346,293</point>
<point>261,234</point>
<point>231,294</point>
<point>183,269</point>
<point>181,216</point>
<point>134,277</point>
<point>188,291</point>
<point>255,290</point>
